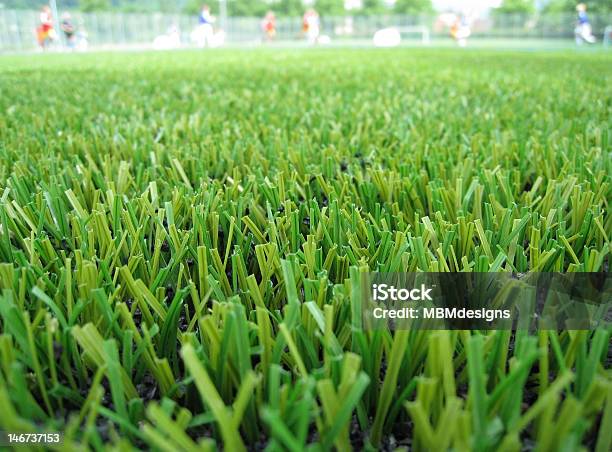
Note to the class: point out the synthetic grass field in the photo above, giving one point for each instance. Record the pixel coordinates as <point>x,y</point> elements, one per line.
<point>181,234</point>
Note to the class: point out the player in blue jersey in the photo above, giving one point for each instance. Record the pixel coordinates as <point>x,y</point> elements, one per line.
<point>583,30</point>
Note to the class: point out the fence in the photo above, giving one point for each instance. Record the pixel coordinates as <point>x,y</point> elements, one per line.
<point>17,28</point>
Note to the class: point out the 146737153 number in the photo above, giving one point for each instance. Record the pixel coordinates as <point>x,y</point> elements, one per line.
<point>14,438</point>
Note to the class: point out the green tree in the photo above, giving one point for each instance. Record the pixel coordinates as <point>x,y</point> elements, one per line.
<point>94,5</point>
<point>292,8</point>
<point>372,7</point>
<point>516,7</point>
<point>600,6</point>
<point>412,6</point>
<point>193,7</point>
<point>330,7</point>
<point>560,6</point>
<point>247,8</point>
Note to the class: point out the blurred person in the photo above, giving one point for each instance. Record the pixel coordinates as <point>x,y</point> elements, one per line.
<point>203,35</point>
<point>444,21</point>
<point>311,25</point>
<point>268,26</point>
<point>206,17</point>
<point>81,37</point>
<point>45,33</point>
<point>460,30</point>
<point>69,30</point>
<point>583,31</point>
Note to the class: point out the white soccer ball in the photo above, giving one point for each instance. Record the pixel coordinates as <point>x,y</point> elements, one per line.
<point>387,37</point>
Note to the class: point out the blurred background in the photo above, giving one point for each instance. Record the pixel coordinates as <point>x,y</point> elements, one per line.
<point>79,25</point>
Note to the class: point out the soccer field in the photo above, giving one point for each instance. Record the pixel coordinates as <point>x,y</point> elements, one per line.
<point>181,236</point>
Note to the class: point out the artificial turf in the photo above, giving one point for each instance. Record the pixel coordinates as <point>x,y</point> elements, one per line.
<point>181,235</point>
